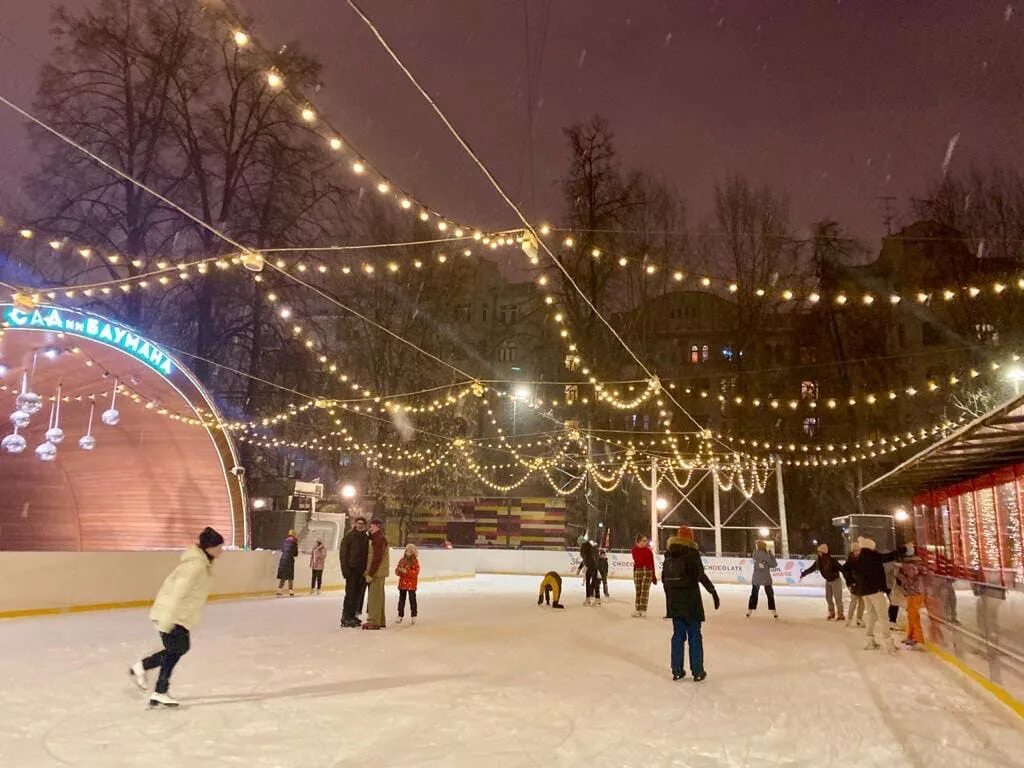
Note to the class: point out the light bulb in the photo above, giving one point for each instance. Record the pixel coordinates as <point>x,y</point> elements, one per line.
<point>241,39</point>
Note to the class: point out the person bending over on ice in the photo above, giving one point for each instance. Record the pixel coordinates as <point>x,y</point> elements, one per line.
<point>592,577</point>
<point>408,573</point>
<point>830,571</point>
<point>176,611</point>
<point>681,574</point>
<point>764,561</point>
<point>550,590</point>
<point>376,573</point>
<point>869,574</point>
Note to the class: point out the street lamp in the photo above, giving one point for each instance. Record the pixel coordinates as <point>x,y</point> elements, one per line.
<point>1016,376</point>
<point>901,515</point>
<point>348,491</point>
<point>763,531</point>
<point>661,504</point>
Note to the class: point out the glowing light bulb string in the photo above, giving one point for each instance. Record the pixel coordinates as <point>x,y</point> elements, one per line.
<point>500,190</point>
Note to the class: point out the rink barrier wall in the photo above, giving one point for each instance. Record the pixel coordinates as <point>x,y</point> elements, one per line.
<point>41,583</point>
<point>48,583</point>
<point>1000,693</point>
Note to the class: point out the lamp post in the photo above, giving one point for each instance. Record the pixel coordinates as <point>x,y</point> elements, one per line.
<point>520,392</point>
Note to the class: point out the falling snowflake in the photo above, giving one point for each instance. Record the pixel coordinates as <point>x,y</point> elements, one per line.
<point>1008,12</point>
<point>583,57</point>
<point>950,149</point>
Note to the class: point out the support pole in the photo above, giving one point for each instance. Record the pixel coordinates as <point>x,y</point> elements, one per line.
<point>781,490</point>
<point>655,543</point>
<point>718,513</point>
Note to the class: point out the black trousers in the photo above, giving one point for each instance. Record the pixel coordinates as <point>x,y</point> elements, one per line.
<point>176,644</point>
<point>769,592</point>
<point>593,583</point>
<point>894,613</point>
<point>604,583</point>
<point>401,602</point>
<point>355,589</point>
<point>318,579</point>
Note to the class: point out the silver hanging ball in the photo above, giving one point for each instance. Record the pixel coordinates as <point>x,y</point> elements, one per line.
<point>55,435</point>
<point>13,444</point>
<point>111,417</point>
<point>29,402</point>
<point>20,419</point>
<point>46,452</point>
<point>87,442</point>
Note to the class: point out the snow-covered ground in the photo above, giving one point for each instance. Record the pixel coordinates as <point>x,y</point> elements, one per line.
<point>489,679</point>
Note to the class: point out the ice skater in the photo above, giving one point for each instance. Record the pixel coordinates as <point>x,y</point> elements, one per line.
<point>354,555</point>
<point>910,578</point>
<point>408,573</point>
<point>286,565</point>
<point>317,559</point>
<point>176,612</point>
<point>591,576</point>
<point>764,562</point>
<point>831,571</point>
<point>643,574</point>
<point>602,570</point>
<point>856,612</point>
<point>376,574</point>
<point>550,590</point>
<point>869,573</point>
<point>681,574</point>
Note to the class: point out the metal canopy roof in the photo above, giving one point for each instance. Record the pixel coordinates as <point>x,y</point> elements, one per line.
<point>988,443</point>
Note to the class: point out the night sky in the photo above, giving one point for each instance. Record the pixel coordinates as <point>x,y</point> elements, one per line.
<point>837,103</point>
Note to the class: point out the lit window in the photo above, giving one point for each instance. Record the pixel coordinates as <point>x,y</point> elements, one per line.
<point>572,393</point>
<point>694,354</point>
<point>704,353</point>
<point>811,426</point>
<point>809,390</point>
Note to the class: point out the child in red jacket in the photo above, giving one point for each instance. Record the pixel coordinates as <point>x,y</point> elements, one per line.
<point>408,573</point>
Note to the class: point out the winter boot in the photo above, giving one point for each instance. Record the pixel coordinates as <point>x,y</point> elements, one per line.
<point>162,700</point>
<point>139,675</point>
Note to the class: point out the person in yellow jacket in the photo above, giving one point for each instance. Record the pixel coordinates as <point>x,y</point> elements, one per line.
<point>376,572</point>
<point>176,611</point>
<point>550,590</point>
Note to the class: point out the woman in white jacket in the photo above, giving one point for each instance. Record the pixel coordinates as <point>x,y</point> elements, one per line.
<point>176,611</point>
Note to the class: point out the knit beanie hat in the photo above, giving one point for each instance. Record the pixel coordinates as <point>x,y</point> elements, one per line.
<point>685,532</point>
<point>210,538</point>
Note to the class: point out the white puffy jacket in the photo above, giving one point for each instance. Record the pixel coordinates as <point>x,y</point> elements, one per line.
<point>184,592</point>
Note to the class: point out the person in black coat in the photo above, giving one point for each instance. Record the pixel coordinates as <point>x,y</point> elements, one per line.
<point>602,568</point>
<point>681,576</point>
<point>869,574</point>
<point>355,555</point>
<point>286,565</point>
<point>588,560</point>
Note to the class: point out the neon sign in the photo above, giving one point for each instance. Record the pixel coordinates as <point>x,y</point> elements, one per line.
<point>89,327</point>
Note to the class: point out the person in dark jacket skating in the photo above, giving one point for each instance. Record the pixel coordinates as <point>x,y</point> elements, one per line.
<point>286,565</point>
<point>681,574</point>
<point>830,570</point>
<point>602,569</point>
<point>869,572</point>
<point>592,577</point>
<point>354,554</point>
<point>856,612</point>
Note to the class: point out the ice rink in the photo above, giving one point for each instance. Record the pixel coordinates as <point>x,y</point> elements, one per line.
<point>489,679</point>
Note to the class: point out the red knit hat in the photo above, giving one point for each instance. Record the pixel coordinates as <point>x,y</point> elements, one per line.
<point>685,532</point>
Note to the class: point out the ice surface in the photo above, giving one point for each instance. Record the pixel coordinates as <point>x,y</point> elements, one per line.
<point>489,679</point>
